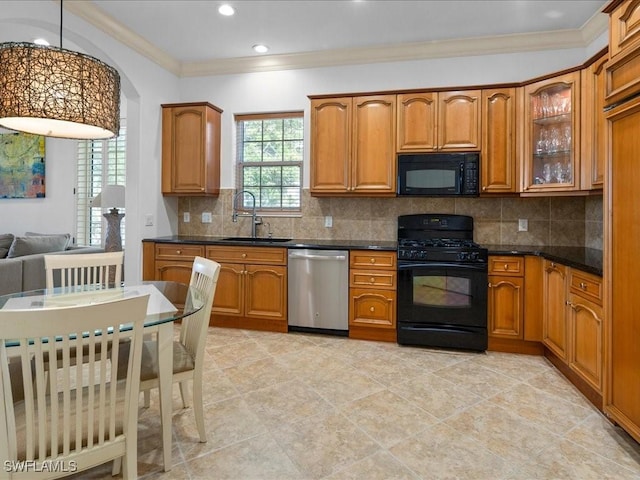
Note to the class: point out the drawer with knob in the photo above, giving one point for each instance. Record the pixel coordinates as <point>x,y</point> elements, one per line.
<point>372,259</point>
<point>254,255</point>
<point>373,308</point>
<point>379,279</point>
<point>586,285</point>
<point>170,251</point>
<point>506,265</point>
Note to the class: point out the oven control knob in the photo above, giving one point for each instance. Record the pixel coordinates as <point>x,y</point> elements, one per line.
<point>463,256</point>
<point>422,255</point>
<point>474,256</point>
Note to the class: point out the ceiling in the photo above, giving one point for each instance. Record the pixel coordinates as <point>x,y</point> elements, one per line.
<point>191,38</point>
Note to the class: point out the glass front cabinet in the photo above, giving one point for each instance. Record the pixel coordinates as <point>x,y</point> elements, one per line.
<point>551,149</point>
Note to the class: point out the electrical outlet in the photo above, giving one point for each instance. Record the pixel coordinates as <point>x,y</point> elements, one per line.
<point>148,220</point>
<point>206,217</point>
<point>328,221</point>
<point>523,225</point>
<point>186,217</point>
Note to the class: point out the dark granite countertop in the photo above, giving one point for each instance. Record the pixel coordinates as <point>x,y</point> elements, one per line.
<point>293,243</point>
<point>586,259</point>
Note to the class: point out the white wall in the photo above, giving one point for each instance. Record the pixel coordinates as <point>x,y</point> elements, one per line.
<point>146,86</point>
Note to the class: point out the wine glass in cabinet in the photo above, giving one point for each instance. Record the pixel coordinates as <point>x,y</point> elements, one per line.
<point>551,157</point>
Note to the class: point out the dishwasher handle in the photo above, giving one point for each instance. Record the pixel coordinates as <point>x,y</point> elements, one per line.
<point>298,256</point>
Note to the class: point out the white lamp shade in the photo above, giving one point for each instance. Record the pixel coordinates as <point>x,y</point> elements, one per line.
<point>112,196</point>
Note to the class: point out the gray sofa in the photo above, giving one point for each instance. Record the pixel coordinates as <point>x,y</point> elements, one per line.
<point>26,272</point>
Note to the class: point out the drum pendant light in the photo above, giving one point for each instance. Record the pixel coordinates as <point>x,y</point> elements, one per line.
<point>57,92</point>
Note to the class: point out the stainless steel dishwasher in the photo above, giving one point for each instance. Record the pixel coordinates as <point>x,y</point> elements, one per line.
<point>319,291</point>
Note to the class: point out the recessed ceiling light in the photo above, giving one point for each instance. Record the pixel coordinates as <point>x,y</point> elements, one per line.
<point>41,41</point>
<point>260,48</point>
<point>553,14</point>
<point>226,10</point>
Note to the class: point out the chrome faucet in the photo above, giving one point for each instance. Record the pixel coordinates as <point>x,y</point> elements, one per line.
<point>255,221</point>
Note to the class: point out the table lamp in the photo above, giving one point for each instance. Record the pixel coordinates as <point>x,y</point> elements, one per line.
<point>112,196</point>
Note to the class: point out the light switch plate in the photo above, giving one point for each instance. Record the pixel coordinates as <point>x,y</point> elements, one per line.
<point>148,220</point>
<point>206,217</point>
<point>328,221</point>
<point>523,225</point>
<point>186,217</point>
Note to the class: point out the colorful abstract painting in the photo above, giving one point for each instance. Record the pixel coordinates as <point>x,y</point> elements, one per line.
<point>21,165</point>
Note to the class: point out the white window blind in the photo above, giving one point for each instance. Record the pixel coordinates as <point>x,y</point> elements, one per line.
<point>100,162</point>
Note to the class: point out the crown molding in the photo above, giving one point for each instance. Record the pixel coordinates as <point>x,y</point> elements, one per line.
<point>99,19</point>
<point>575,38</point>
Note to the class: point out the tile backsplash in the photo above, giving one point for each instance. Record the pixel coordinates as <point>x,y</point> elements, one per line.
<point>562,221</point>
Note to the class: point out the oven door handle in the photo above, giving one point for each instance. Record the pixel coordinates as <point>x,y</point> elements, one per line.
<point>465,266</point>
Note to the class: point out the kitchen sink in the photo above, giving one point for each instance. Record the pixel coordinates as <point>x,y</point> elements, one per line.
<point>251,239</point>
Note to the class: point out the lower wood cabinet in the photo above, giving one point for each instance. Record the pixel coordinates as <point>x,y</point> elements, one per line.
<point>585,327</point>
<point>372,294</point>
<point>573,323</point>
<point>252,288</point>
<point>506,297</point>
<point>554,315</point>
<point>513,304</point>
<point>173,262</point>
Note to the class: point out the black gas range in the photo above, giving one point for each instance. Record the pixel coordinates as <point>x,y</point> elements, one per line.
<point>442,283</point>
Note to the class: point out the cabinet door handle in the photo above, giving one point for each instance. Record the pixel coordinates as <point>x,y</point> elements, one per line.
<point>179,252</point>
<point>244,255</point>
<point>583,285</point>
<point>506,267</point>
<point>372,309</point>
<point>373,260</point>
<point>484,189</point>
<point>372,280</point>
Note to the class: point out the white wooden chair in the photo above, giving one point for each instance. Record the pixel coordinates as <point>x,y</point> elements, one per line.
<point>188,351</point>
<point>84,269</point>
<point>90,417</point>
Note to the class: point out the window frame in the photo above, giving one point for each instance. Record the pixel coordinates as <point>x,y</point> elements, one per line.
<point>244,201</point>
<point>95,168</point>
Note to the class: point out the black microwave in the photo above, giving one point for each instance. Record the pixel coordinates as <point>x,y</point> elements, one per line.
<point>439,174</point>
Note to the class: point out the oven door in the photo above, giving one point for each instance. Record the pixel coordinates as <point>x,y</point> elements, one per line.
<point>442,293</point>
<point>442,305</point>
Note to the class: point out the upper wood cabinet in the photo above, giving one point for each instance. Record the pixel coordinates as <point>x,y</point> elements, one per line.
<point>191,149</point>
<point>499,162</point>
<point>439,121</point>
<point>624,27</point>
<point>592,123</point>
<point>623,69</point>
<point>353,146</point>
<point>551,160</point>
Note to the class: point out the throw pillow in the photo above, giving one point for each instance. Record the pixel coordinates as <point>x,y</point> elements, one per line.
<point>6,240</point>
<point>37,244</point>
<point>67,235</point>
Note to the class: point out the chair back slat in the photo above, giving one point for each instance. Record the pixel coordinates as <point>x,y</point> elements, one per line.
<point>75,407</point>
<point>103,269</point>
<point>204,276</point>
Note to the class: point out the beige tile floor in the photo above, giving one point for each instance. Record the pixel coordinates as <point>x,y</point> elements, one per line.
<point>294,406</point>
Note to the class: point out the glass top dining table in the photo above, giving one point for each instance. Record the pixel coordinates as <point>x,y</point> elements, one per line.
<point>168,302</point>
